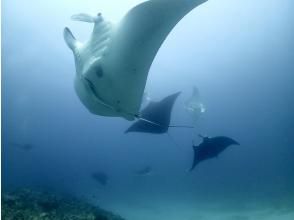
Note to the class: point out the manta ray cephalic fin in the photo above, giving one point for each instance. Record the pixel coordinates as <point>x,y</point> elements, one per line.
<point>70,40</point>
<point>85,17</point>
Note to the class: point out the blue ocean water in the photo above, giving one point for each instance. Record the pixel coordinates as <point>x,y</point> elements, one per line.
<point>240,56</point>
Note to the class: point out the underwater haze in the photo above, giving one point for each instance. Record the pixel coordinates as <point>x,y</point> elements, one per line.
<point>239,54</point>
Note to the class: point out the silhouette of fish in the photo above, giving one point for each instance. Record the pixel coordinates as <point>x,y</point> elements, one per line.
<point>25,147</point>
<point>211,148</point>
<point>101,178</point>
<point>144,171</point>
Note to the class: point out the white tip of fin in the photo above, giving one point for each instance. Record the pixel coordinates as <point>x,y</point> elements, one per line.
<point>86,18</point>
<point>70,39</point>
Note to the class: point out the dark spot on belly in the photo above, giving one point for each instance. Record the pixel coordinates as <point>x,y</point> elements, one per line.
<point>99,72</point>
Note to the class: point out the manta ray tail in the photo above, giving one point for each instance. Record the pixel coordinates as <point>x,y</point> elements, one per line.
<point>181,126</point>
<point>148,121</point>
<point>157,124</point>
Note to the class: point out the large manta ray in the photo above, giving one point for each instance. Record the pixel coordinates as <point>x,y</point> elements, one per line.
<point>113,65</point>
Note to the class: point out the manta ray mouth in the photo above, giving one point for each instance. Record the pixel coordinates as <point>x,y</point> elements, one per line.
<point>101,101</point>
<point>95,93</point>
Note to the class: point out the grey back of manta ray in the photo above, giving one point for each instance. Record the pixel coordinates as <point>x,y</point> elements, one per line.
<point>211,148</point>
<point>158,114</point>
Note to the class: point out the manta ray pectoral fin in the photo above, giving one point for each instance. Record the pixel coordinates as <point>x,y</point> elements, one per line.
<point>236,143</point>
<point>70,40</point>
<point>195,161</point>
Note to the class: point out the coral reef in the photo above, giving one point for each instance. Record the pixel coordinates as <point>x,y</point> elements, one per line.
<point>28,204</point>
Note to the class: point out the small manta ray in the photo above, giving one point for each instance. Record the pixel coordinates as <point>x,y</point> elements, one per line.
<point>144,171</point>
<point>210,148</point>
<point>155,118</point>
<point>100,177</point>
<point>113,65</point>
<point>194,105</point>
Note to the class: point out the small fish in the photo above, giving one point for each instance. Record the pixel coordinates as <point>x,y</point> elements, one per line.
<point>101,178</point>
<point>144,171</point>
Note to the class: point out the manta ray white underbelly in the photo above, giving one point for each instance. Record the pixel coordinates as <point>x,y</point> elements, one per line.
<point>194,105</point>
<point>113,65</point>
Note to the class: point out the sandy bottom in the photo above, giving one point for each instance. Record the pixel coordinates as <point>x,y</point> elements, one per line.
<point>180,210</point>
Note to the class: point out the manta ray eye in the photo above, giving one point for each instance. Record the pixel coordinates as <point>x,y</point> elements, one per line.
<point>99,72</point>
